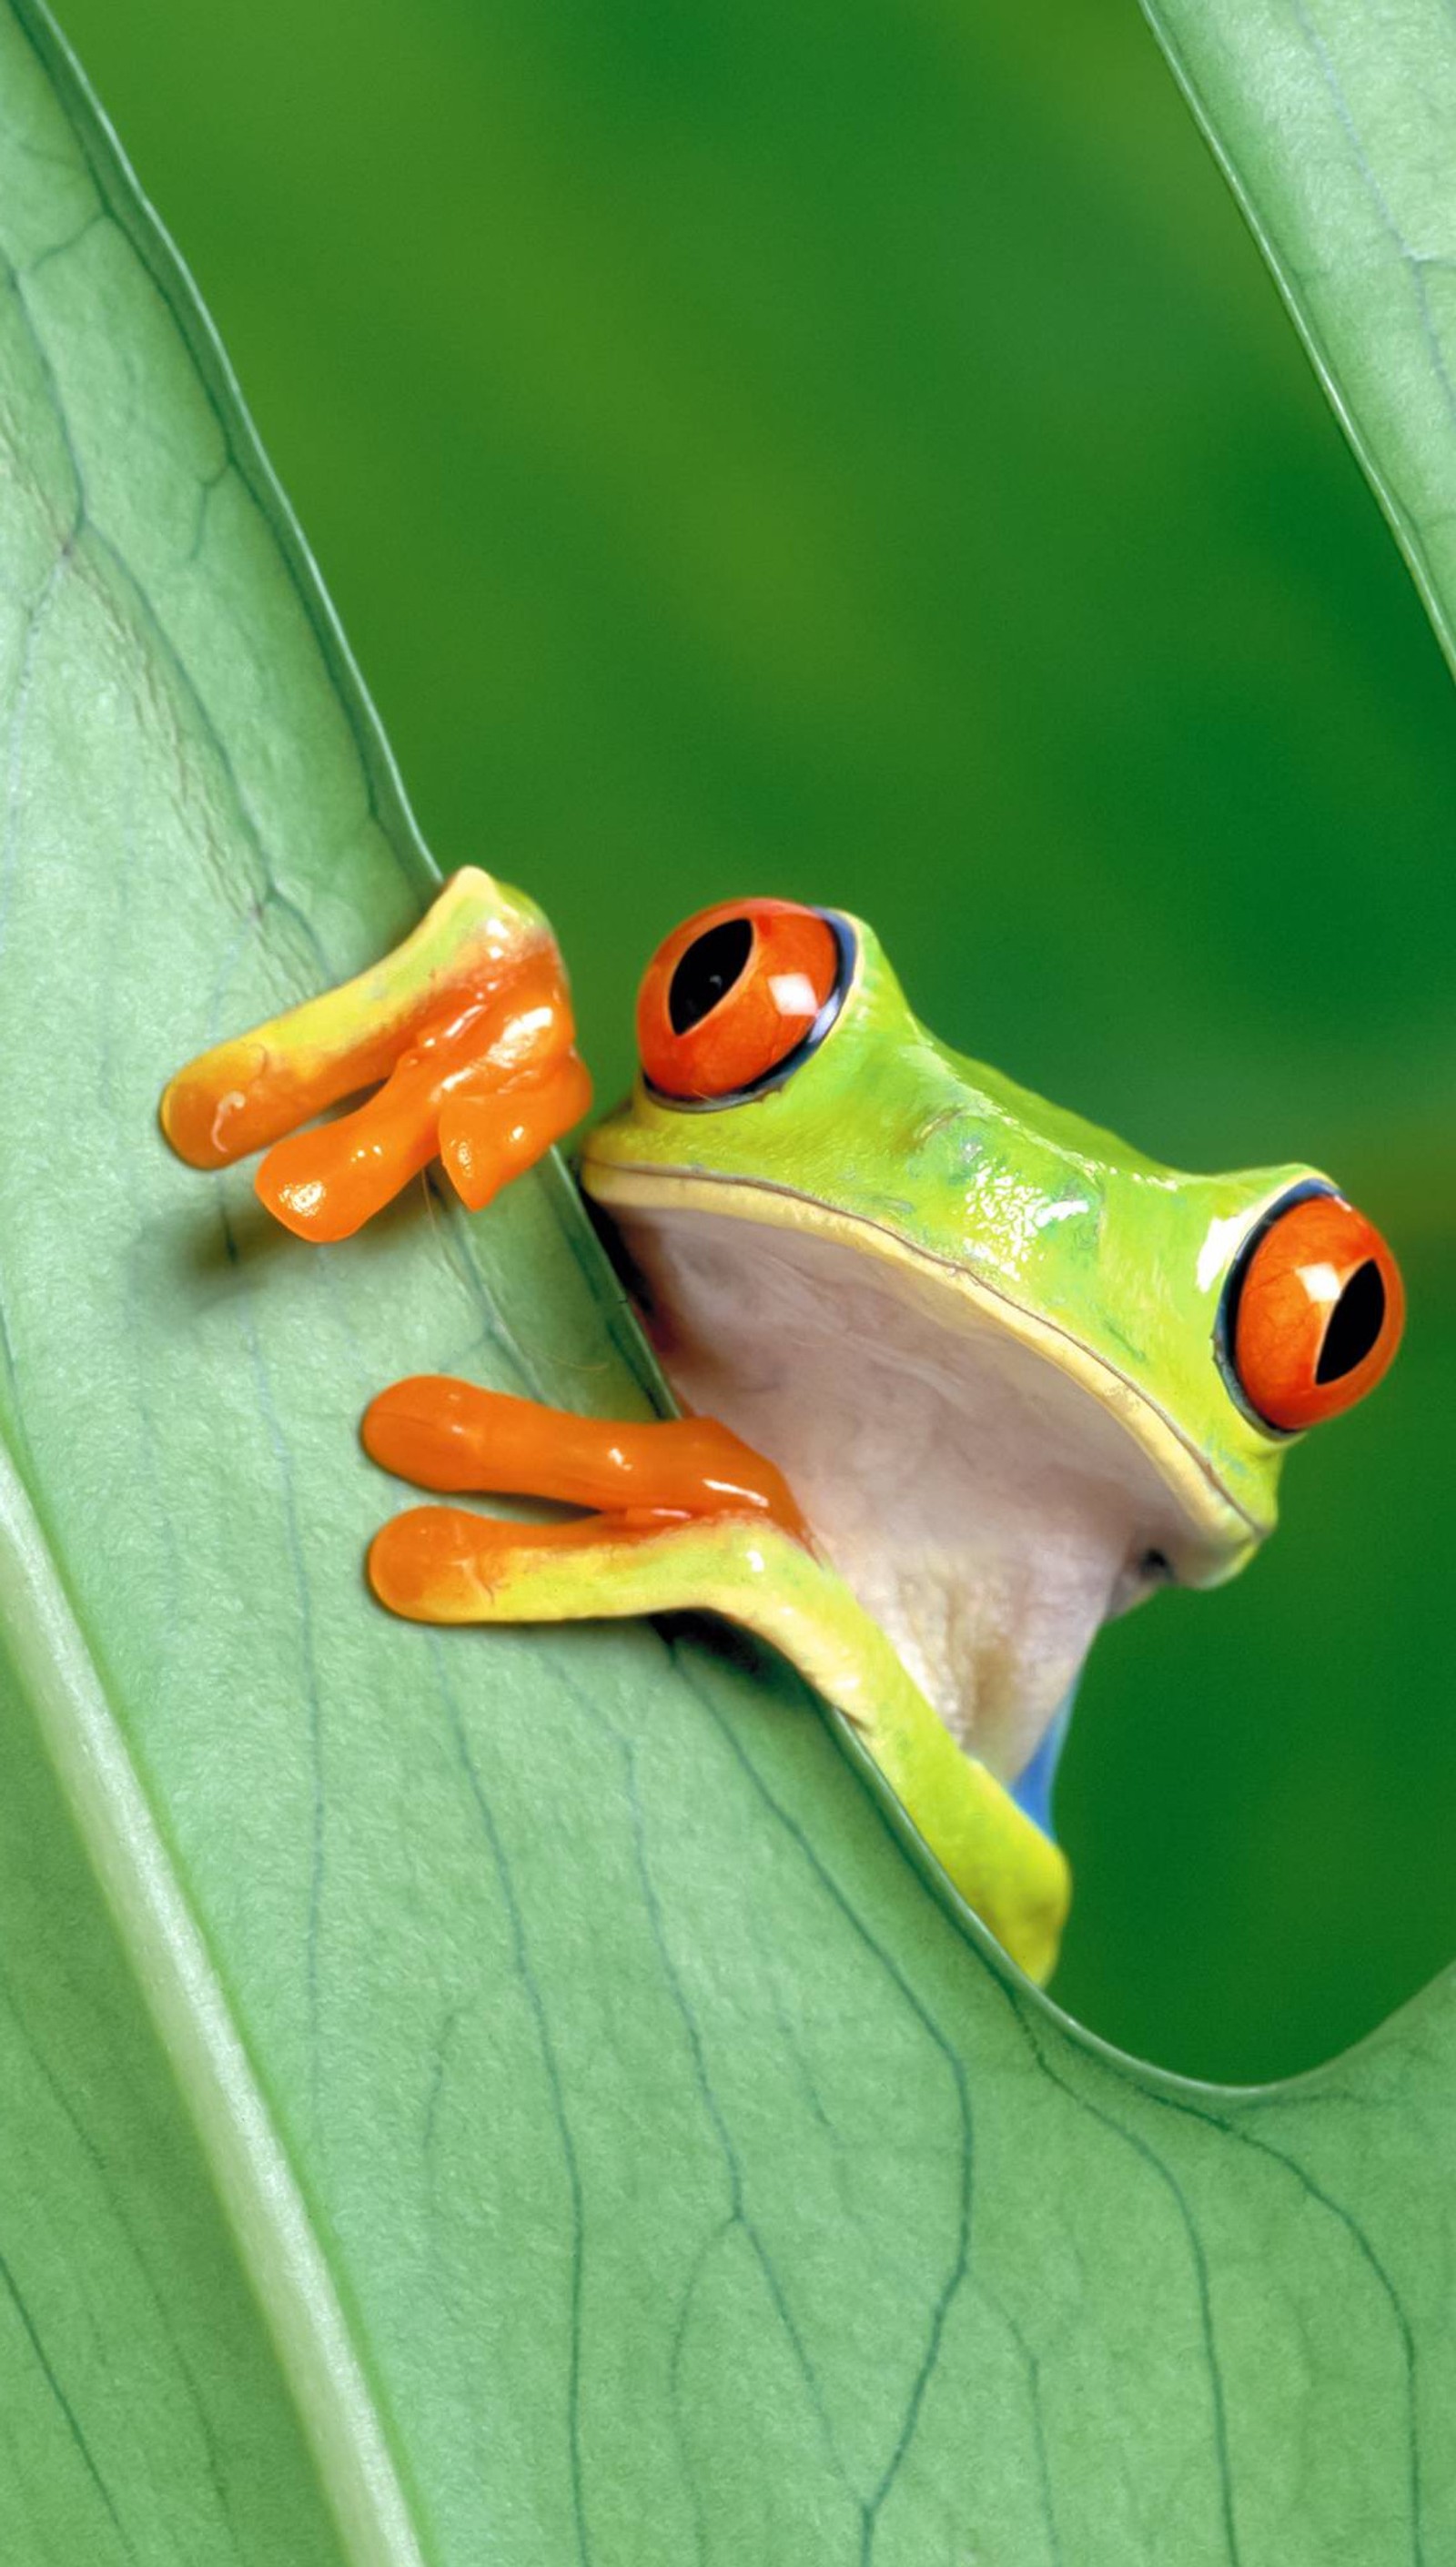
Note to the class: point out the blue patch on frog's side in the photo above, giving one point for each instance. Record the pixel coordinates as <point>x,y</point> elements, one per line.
<point>1031,1790</point>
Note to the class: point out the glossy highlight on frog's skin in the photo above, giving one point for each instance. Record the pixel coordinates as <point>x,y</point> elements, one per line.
<point>467,1030</point>
<point>988,1342</point>
<point>1012,1375</point>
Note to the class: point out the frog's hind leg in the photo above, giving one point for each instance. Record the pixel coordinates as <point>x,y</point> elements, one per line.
<point>448,1565</point>
<point>681,1511</point>
<point>690,1519</point>
<point>670,1501</point>
<point>451,1435</point>
<point>660,1492</point>
<point>467,1024</point>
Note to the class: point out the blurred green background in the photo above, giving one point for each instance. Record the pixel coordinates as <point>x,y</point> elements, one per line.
<point>858,453</point>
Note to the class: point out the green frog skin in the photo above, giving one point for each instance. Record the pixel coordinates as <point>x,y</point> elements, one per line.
<point>964,1377</point>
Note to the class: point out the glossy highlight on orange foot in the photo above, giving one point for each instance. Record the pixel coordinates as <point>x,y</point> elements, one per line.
<point>446,1565</point>
<point>468,1027</point>
<point>1318,1313</point>
<point>488,1086</point>
<point>732,993</point>
<point>451,1435</point>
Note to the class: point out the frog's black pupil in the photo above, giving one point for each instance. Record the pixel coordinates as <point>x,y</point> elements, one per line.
<point>708,970</point>
<point>1354,1324</point>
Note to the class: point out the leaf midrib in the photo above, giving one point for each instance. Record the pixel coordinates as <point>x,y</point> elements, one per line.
<point>169,1955</point>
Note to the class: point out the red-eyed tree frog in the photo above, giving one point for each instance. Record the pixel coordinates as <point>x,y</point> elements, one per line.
<point>962,1375</point>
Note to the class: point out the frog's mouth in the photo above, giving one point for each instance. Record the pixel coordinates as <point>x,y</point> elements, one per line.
<point>991,1493</point>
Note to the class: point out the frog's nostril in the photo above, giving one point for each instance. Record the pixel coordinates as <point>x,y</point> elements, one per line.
<point>1354,1324</point>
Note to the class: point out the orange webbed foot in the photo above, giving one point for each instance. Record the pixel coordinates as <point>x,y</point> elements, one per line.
<point>467,1032</point>
<point>642,1482</point>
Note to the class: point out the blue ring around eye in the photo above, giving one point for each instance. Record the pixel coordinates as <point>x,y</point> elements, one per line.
<point>846,948</point>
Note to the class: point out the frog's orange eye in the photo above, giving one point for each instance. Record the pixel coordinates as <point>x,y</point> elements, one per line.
<point>737,995</point>
<point>1314,1313</point>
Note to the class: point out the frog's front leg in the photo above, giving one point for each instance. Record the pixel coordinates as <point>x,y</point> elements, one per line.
<point>469,1029</point>
<point>690,1519</point>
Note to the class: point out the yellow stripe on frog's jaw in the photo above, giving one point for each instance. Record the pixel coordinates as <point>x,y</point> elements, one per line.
<point>1228,1530</point>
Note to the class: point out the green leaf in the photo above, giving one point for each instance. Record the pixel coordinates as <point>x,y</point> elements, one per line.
<point>1335,126</point>
<point>497,2096</point>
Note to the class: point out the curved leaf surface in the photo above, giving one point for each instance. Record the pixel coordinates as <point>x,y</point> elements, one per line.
<point>1336,126</point>
<point>515,2094</point>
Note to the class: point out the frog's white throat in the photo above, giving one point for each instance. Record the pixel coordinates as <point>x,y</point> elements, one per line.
<point>986,1507</point>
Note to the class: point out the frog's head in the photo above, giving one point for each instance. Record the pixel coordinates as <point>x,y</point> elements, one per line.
<point>1017,1374</point>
